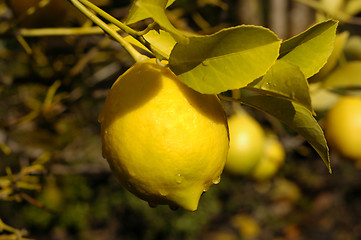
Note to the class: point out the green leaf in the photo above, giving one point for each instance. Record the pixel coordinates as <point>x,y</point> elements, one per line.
<point>310,49</point>
<point>228,59</point>
<point>295,116</point>
<point>138,11</point>
<point>170,2</point>
<point>334,58</point>
<point>160,40</point>
<point>155,9</point>
<point>284,80</point>
<point>345,76</point>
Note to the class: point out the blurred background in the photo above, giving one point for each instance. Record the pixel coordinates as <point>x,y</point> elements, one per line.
<point>54,183</point>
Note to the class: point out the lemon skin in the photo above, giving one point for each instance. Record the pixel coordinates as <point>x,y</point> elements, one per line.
<point>165,142</point>
<point>343,127</point>
<point>246,144</point>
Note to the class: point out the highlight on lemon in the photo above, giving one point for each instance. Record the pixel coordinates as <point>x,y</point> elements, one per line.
<point>153,136</point>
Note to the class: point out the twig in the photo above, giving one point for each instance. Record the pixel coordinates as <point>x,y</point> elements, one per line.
<point>127,46</point>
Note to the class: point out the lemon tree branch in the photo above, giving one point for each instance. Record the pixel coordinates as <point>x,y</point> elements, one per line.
<point>127,46</point>
<point>138,35</point>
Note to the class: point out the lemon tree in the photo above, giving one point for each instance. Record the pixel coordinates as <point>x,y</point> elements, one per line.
<point>343,127</point>
<point>148,153</point>
<point>246,144</point>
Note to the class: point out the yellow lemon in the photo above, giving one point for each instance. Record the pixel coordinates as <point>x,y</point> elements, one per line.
<point>165,142</point>
<point>343,127</point>
<point>246,144</point>
<point>272,158</point>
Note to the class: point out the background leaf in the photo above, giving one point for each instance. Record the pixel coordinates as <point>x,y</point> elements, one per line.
<point>284,80</point>
<point>228,59</point>
<point>310,49</point>
<point>345,76</point>
<point>295,116</point>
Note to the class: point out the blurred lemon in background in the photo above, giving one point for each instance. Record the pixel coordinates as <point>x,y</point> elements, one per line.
<point>343,127</point>
<point>271,160</point>
<point>246,144</point>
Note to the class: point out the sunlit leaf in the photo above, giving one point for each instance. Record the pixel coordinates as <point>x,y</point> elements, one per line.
<point>345,76</point>
<point>332,61</point>
<point>284,80</point>
<point>295,116</point>
<point>170,2</point>
<point>155,9</point>
<point>310,49</point>
<point>228,59</point>
<point>161,41</point>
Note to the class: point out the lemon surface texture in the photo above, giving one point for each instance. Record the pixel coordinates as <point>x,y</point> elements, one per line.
<point>165,142</point>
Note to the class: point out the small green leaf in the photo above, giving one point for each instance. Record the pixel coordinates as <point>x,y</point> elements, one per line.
<point>284,80</point>
<point>228,59</point>
<point>138,11</point>
<point>310,49</point>
<point>345,76</point>
<point>170,2</point>
<point>160,40</point>
<point>155,9</point>
<point>295,116</point>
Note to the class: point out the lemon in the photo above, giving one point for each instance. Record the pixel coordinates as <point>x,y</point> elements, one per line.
<point>343,127</point>
<point>165,142</point>
<point>246,144</point>
<point>272,158</point>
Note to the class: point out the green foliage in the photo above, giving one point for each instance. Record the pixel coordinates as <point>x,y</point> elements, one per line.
<point>310,49</point>
<point>228,59</point>
<point>161,41</point>
<point>143,9</point>
<point>284,80</point>
<point>295,116</point>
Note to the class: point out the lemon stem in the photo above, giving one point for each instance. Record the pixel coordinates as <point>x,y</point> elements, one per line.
<point>138,57</point>
<point>138,35</point>
<point>35,32</point>
<point>235,104</point>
